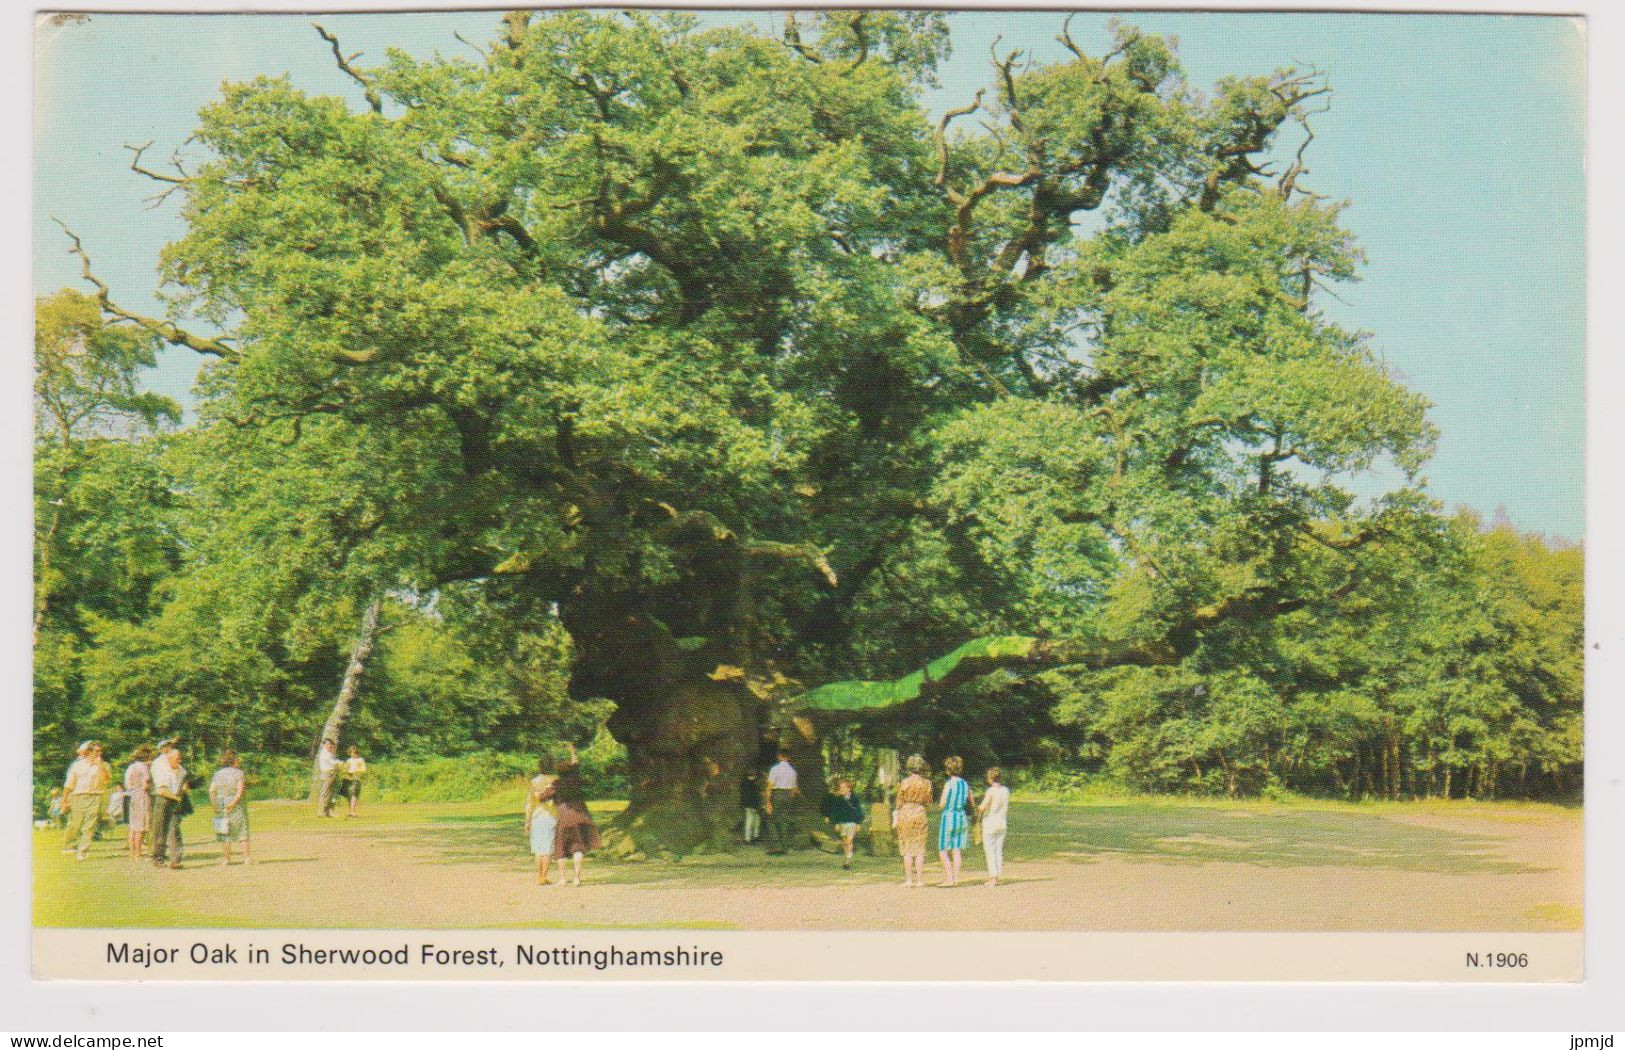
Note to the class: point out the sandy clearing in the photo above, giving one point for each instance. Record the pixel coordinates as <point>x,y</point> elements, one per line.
<point>1495,875</point>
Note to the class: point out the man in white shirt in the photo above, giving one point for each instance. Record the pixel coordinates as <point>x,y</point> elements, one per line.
<point>327,768</point>
<point>86,792</point>
<point>168,804</point>
<point>781,791</point>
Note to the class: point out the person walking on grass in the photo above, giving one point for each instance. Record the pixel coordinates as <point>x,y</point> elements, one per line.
<point>351,773</point>
<point>844,811</point>
<point>169,805</point>
<point>540,822</point>
<point>86,791</point>
<point>327,771</point>
<point>953,829</point>
<point>908,820</point>
<point>227,792</point>
<point>782,792</point>
<point>138,789</point>
<point>750,801</point>
<point>576,835</point>
<point>995,810</point>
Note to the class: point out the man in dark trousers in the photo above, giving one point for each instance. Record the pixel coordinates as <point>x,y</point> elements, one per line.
<point>782,791</point>
<point>168,804</point>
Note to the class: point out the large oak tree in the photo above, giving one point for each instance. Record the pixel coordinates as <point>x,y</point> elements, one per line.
<point>714,346</point>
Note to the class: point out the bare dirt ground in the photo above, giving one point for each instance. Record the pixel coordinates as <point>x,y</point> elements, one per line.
<point>1128,866</point>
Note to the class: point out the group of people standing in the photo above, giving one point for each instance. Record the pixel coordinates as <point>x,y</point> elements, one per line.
<point>960,810</point>
<point>153,798</point>
<point>557,820</point>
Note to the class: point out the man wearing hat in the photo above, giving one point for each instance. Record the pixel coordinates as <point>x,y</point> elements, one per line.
<point>86,789</point>
<point>168,795</point>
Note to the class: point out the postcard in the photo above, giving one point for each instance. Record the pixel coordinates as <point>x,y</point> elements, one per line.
<point>847,494</point>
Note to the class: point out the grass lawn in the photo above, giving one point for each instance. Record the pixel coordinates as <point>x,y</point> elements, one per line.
<point>1094,864</point>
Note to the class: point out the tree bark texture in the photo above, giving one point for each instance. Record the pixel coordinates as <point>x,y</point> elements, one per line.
<point>360,652</point>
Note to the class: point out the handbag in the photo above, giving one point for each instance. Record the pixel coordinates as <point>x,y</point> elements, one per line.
<point>222,825</point>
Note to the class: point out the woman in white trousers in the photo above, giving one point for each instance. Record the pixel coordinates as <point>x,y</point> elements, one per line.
<point>995,810</point>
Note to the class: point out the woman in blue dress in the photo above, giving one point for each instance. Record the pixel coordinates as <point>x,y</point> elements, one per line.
<point>953,830</point>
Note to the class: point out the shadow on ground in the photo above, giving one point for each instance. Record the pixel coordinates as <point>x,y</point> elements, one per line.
<point>1161,834</point>
<point>1285,838</point>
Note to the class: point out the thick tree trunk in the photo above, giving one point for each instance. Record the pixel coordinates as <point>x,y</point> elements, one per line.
<point>684,711</point>
<point>360,652</point>
<point>694,704</point>
<point>692,725</point>
<point>687,747</point>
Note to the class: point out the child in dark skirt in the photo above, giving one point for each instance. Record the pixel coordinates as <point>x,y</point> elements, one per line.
<point>576,834</point>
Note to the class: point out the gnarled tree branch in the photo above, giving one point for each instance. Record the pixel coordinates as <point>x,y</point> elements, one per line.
<point>368,87</point>
<point>218,346</point>
<point>702,524</point>
<point>792,40</point>
<point>862,37</point>
<point>800,552</point>
<point>1031,655</point>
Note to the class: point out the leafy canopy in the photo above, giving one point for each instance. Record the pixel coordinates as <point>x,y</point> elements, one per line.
<point>712,346</point>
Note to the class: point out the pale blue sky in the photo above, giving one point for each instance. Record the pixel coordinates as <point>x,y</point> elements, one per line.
<point>1459,140</point>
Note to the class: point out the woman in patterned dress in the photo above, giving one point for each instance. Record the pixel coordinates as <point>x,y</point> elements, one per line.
<point>908,819</point>
<point>138,792</point>
<point>540,822</point>
<point>228,794</point>
<point>577,835</point>
<point>953,831</point>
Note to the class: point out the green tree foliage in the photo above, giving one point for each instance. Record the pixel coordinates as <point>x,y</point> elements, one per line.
<point>705,356</point>
<point>1462,679</point>
<point>176,595</point>
<point>103,536</point>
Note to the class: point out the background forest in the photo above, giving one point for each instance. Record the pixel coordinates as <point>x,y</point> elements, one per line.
<point>586,391</point>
